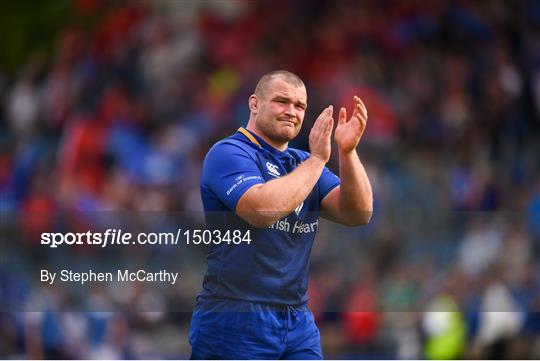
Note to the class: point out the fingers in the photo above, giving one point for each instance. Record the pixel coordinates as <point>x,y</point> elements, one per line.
<point>322,120</point>
<point>330,111</point>
<point>329,127</point>
<point>324,123</point>
<point>342,119</point>
<point>357,100</point>
<point>328,122</point>
<point>320,135</point>
<point>360,110</point>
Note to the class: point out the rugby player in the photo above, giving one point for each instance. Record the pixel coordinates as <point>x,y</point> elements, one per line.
<point>253,301</point>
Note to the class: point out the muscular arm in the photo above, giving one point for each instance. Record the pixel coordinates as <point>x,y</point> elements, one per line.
<point>351,203</point>
<point>264,204</point>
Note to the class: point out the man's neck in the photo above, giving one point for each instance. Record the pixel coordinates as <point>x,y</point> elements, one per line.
<point>279,146</point>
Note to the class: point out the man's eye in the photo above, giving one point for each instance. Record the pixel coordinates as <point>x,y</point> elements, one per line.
<point>281,101</point>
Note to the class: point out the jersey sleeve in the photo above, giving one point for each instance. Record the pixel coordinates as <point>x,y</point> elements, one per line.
<point>228,172</point>
<point>327,182</point>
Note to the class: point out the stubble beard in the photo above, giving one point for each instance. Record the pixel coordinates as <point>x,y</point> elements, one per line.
<point>276,132</point>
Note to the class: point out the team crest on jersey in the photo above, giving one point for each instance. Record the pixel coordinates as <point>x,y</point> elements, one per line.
<point>298,209</point>
<point>272,169</point>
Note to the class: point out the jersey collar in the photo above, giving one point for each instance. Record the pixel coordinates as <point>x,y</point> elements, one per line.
<point>254,138</point>
<point>249,136</point>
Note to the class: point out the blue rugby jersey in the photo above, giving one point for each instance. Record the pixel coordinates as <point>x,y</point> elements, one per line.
<point>273,268</point>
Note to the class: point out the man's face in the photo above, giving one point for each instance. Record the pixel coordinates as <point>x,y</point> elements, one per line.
<point>280,110</point>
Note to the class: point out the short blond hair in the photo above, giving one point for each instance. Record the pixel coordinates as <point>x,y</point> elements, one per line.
<point>283,74</point>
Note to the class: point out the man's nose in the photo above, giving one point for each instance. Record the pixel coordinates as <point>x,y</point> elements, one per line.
<point>289,110</point>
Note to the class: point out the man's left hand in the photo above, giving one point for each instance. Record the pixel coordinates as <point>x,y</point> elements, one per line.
<point>349,132</point>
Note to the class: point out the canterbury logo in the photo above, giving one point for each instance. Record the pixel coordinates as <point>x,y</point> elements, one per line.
<point>272,169</point>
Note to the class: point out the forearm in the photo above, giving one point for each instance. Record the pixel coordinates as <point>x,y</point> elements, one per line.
<point>356,197</point>
<point>263,205</point>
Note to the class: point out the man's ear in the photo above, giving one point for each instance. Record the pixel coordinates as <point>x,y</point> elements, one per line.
<point>253,103</point>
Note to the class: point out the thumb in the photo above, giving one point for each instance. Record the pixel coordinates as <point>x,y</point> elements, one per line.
<point>342,116</point>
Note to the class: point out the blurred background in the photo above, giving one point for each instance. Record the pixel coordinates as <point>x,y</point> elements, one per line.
<point>110,106</point>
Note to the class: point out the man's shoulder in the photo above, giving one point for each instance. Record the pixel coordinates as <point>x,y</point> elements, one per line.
<point>232,142</point>
<point>230,146</point>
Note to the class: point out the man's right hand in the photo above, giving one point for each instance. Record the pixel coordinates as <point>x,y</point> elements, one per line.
<point>320,135</point>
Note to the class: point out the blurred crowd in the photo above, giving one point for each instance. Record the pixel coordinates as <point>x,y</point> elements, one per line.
<point>119,116</point>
